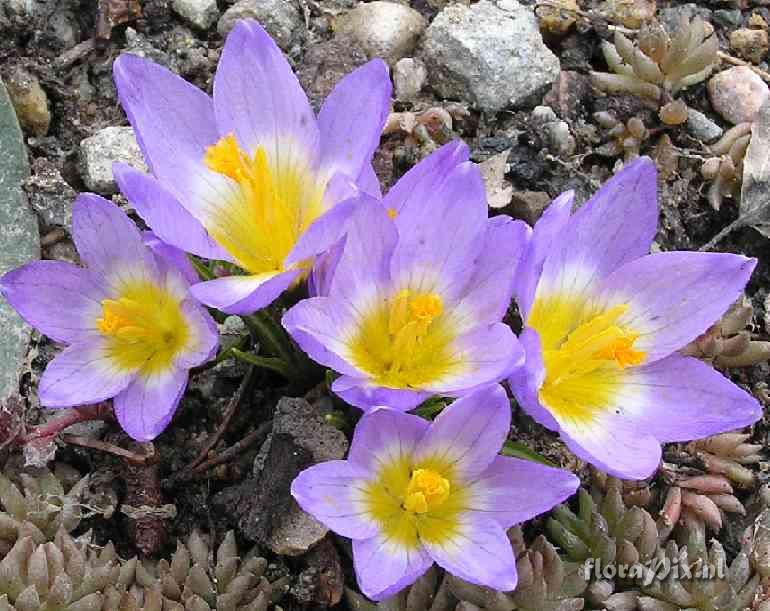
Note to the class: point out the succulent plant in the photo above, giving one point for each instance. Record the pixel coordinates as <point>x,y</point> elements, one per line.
<point>658,66</point>
<point>724,170</point>
<point>620,138</point>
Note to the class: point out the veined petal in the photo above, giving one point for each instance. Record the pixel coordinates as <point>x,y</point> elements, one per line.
<point>173,120</point>
<point>161,210</point>
<point>352,117</point>
<point>243,294</point>
<point>384,567</point>
<point>204,336</point>
<point>478,552</point>
<point>368,182</point>
<point>109,243</point>
<point>527,379</point>
<point>82,374</point>
<point>146,407</point>
<point>323,233</point>
<point>545,234</point>
<point>59,299</point>
<point>174,261</point>
<point>440,235</point>
<point>467,435</point>
<point>386,437</point>
<point>333,492</point>
<point>365,394</point>
<point>512,491</point>
<point>675,296</point>
<point>258,97</point>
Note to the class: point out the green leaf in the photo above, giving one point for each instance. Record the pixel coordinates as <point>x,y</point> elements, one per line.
<point>430,408</point>
<point>519,450</point>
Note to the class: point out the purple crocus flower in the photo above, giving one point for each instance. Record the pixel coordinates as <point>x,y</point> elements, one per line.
<point>603,321</point>
<point>413,305</point>
<point>131,328</point>
<point>251,176</point>
<point>413,492</point>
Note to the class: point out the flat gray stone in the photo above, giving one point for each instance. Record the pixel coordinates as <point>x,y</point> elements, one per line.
<point>19,241</point>
<point>282,19</point>
<point>701,127</point>
<point>100,151</point>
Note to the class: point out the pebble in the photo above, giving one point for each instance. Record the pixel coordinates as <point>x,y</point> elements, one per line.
<point>282,19</point>
<point>701,127</point>
<point>384,29</point>
<point>749,44</point>
<point>100,151</point>
<point>409,76</point>
<point>737,93</point>
<point>19,241</point>
<point>630,13</point>
<point>200,13</point>
<point>671,17</point>
<point>30,101</point>
<point>49,194</point>
<point>490,53</point>
<point>728,18</point>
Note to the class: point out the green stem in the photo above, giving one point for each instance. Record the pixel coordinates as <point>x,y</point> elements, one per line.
<point>203,271</point>
<point>265,362</point>
<point>270,335</point>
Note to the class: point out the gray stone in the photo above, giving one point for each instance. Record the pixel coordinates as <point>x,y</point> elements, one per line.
<point>100,151</point>
<point>30,101</point>
<point>491,54</point>
<point>737,93</point>
<point>199,13</point>
<point>281,18</point>
<point>671,17</point>
<point>49,194</point>
<point>384,29</point>
<point>19,241</point>
<point>701,127</point>
<point>728,18</point>
<point>409,76</point>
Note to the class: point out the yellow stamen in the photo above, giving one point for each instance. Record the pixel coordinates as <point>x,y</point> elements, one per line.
<point>392,213</point>
<point>426,490</point>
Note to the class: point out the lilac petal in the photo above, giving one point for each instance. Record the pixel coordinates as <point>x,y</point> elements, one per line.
<point>320,326</point>
<point>333,493</point>
<point>486,355</point>
<point>108,241</point>
<point>384,567</point>
<point>170,257</point>
<point>616,226</point>
<point>479,552</point>
<point>440,236</point>
<point>675,296</point>
<point>59,299</point>
<point>352,117</point>
<point>146,407</point>
<point>173,120</point>
<point>320,280</point>
<point>323,233</point>
<point>544,235</point>
<point>512,491</point>
<point>468,434</point>
<point>487,295</point>
<point>386,437</point>
<point>204,336</point>
<point>368,182</point>
<point>527,379</point>
<point>680,398</point>
<point>258,97</point>
<point>243,294</point>
<point>420,183</point>
<point>169,220</point>
<point>365,394</point>
<point>82,374</point>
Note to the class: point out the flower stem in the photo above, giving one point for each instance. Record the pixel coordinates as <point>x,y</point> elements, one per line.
<point>270,335</point>
<point>265,362</point>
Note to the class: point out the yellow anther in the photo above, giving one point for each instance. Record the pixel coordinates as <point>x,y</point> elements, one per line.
<point>226,157</point>
<point>622,352</point>
<point>424,308</point>
<point>427,490</point>
<point>392,213</point>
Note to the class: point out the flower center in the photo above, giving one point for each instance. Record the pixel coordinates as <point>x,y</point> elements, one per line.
<point>274,201</point>
<point>145,328</point>
<point>426,490</point>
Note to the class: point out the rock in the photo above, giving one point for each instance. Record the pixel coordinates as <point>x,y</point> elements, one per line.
<point>490,53</point>
<point>19,241</point>
<point>557,136</point>
<point>100,151</point>
<point>749,44</point>
<point>384,29</point>
<point>493,172</point>
<point>671,17</point>
<point>282,19</point>
<point>49,194</point>
<point>529,205</point>
<point>630,13</point>
<point>737,93</point>
<point>262,505</point>
<point>30,101</point>
<point>409,76</point>
<point>200,13</point>
<point>440,4</point>
<point>728,18</point>
<point>701,127</point>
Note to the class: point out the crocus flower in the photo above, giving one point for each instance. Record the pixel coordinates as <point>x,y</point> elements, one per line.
<point>251,176</point>
<point>413,305</point>
<point>603,321</point>
<point>131,328</point>
<point>413,492</point>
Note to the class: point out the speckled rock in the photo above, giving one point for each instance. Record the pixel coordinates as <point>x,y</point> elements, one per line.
<point>49,194</point>
<point>199,13</point>
<point>19,241</point>
<point>30,101</point>
<point>409,75</point>
<point>100,151</point>
<point>282,19</point>
<point>737,93</point>
<point>384,29</point>
<point>701,127</point>
<point>749,44</point>
<point>490,53</point>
